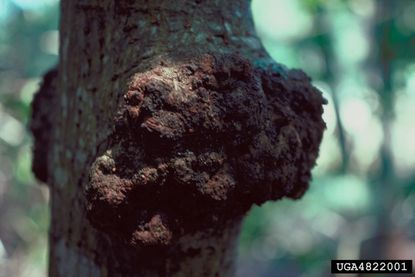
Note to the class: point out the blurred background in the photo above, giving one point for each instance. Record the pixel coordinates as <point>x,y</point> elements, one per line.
<point>360,54</point>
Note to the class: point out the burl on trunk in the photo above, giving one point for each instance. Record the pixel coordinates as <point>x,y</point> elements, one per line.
<point>164,122</point>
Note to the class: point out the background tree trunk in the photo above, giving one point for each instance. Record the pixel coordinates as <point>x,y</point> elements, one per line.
<point>103,44</point>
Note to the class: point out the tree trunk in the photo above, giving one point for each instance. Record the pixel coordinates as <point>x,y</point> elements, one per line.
<point>164,122</point>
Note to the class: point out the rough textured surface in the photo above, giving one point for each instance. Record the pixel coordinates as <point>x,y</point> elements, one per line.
<point>103,43</point>
<point>198,143</point>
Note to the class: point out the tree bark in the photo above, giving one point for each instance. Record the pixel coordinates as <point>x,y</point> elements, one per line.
<point>164,122</point>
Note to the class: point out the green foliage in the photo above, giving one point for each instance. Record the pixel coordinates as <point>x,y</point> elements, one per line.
<point>356,51</point>
<point>26,52</point>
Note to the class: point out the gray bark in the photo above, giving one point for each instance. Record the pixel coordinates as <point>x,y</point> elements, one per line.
<point>108,50</point>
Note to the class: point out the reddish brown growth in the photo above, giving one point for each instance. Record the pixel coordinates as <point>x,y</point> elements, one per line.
<point>154,232</point>
<point>200,142</point>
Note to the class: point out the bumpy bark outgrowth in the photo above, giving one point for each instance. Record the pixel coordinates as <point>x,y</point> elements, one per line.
<point>198,143</point>
<point>41,124</point>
